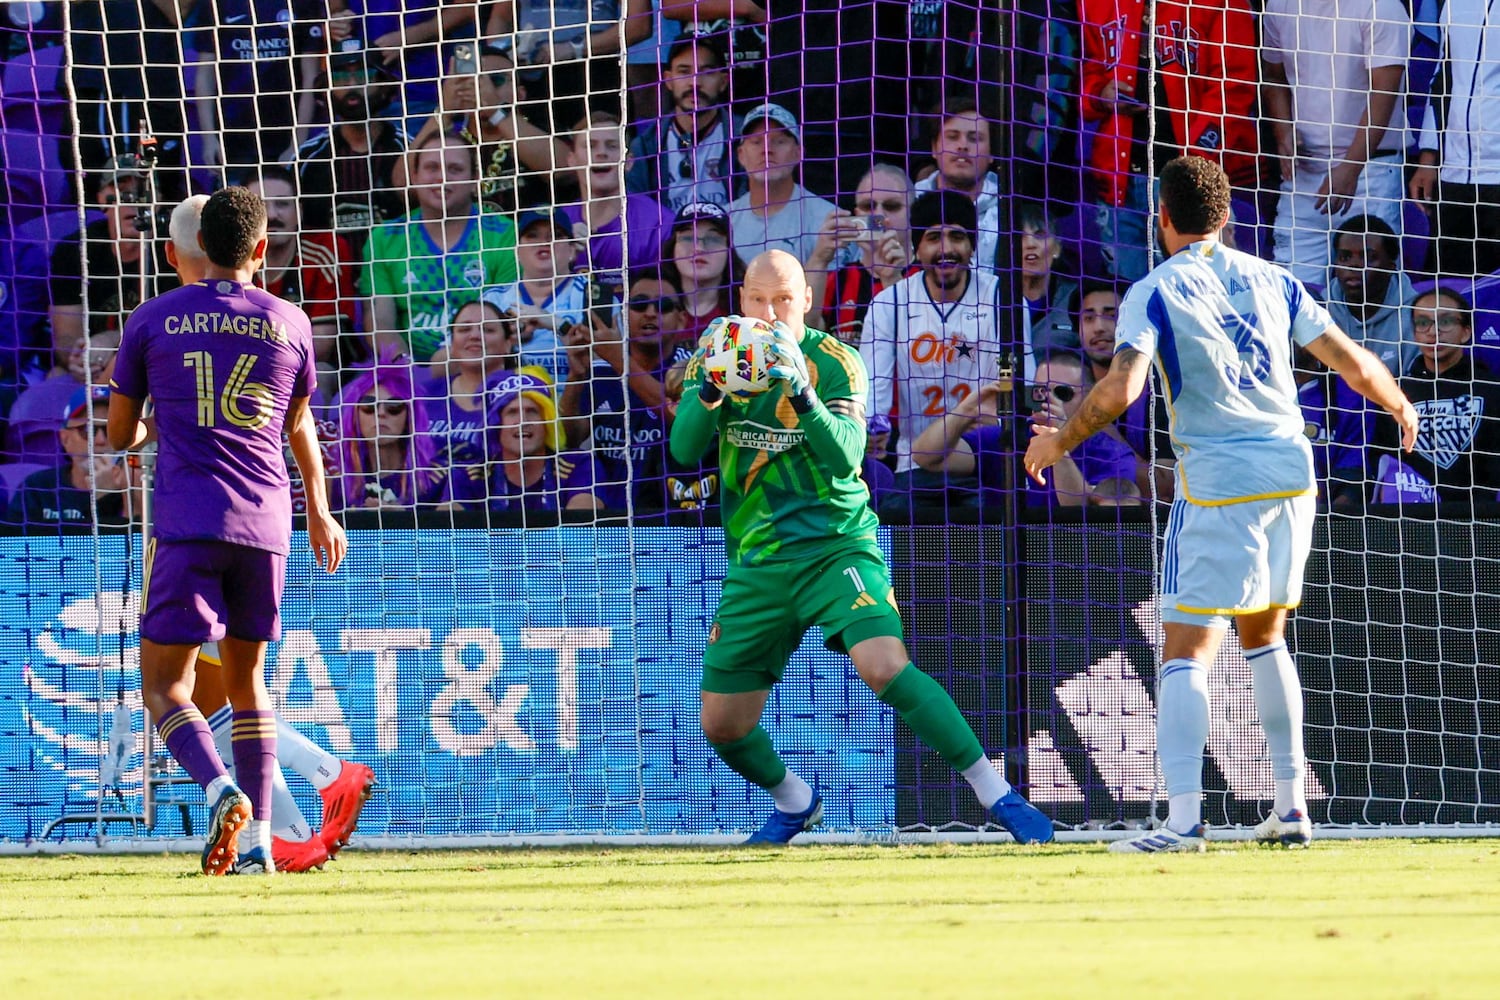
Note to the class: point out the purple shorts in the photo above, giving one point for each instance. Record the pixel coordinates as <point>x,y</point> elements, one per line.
<point>197,592</point>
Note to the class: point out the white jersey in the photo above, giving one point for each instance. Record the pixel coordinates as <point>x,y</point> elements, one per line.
<point>1470,137</point>
<point>1220,325</point>
<point>925,357</point>
<point>1328,51</point>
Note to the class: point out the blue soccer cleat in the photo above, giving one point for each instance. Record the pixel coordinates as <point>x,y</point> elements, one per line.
<point>256,861</point>
<point>229,816</point>
<point>781,827</point>
<point>1023,821</point>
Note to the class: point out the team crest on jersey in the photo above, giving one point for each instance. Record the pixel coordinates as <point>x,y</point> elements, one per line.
<point>714,631</point>
<point>1448,428</point>
<point>474,273</point>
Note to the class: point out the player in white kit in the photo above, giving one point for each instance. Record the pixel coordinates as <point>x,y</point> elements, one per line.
<point>1220,325</point>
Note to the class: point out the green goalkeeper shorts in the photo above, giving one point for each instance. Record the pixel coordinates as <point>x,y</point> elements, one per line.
<point>764,611</point>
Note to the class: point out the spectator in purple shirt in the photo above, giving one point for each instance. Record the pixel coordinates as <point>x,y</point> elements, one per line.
<point>484,345</point>
<point>389,458</point>
<point>970,441</point>
<point>230,368</point>
<point>1339,425</point>
<point>598,154</point>
<point>532,473</point>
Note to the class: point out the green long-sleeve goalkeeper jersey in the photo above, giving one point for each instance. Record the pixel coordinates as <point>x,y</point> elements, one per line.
<point>791,481</point>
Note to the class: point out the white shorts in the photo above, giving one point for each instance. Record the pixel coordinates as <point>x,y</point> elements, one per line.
<point>1303,235</point>
<point>1237,559</point>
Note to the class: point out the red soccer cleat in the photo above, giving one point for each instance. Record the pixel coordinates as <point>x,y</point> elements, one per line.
<point>342,802</point>
<point>299,856</point>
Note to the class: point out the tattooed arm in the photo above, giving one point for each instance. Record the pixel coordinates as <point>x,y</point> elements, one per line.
<point>1125,380</point>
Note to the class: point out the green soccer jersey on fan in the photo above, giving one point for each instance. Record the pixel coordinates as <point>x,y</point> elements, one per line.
<point>781,500</point>
<point>429,283</point>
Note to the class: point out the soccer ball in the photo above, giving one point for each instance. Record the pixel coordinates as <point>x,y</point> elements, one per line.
<point>740,350</point>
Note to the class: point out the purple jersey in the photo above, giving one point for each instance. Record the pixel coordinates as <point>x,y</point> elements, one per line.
<point>564,477</point>
<point>1099,458</point>
<point>647,223</point>
<point>222,361</point>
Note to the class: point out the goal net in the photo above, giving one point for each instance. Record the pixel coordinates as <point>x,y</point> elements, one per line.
<point>509,226</point>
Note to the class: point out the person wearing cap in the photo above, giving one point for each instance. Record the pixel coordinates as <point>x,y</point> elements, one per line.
<point>348,172</point>
<point>776,212</point>
<point>483,107</point>
<point>91,485</point>
<point>961,148</point>
<point>687,156</point>
<point>533,472</point>
<point>256,80</point>
<point>422,267</point>
<point>701,263</point>
<point>597,157</point>
<point>931,340</point>
<point>548,298</point>
<point>125,266</point>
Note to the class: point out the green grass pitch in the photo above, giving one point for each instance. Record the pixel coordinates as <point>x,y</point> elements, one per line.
<point>1390,918</point>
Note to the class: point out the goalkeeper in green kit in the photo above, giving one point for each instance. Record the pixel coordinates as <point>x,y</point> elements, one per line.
<point>800,538</point>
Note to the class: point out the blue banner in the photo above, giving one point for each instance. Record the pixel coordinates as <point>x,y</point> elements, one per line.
<point>505,682</point>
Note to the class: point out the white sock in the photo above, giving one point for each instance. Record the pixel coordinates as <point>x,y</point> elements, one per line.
<point>305,757</point>
<point>1184,811</point>
<point>987,781</point>
<point>793,795</point>
<point>287,819</point>
<point>1278,700</point>
<point>257,833</point>
<point>1181,736</point>
<point>215,788</point>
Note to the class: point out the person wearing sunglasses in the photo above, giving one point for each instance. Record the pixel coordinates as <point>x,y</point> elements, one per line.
<point>970,443</point>
<point>388,456</point>
<point>882,200</point>
<point>483,102</point>
<point>625,405</point>
<point>90,486</point>
<point>1457,397</point>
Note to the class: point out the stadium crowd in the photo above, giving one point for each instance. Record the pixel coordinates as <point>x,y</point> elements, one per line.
<point>510,222</point>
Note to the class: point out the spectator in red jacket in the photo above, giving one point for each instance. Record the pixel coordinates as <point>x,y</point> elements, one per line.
<point>1203,91</point>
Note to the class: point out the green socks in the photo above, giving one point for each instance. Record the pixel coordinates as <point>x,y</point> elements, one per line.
<point>931,714</point>
<point>753,758</point>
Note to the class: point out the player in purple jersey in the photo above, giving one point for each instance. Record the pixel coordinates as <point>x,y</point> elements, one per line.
<point>230,367</point>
